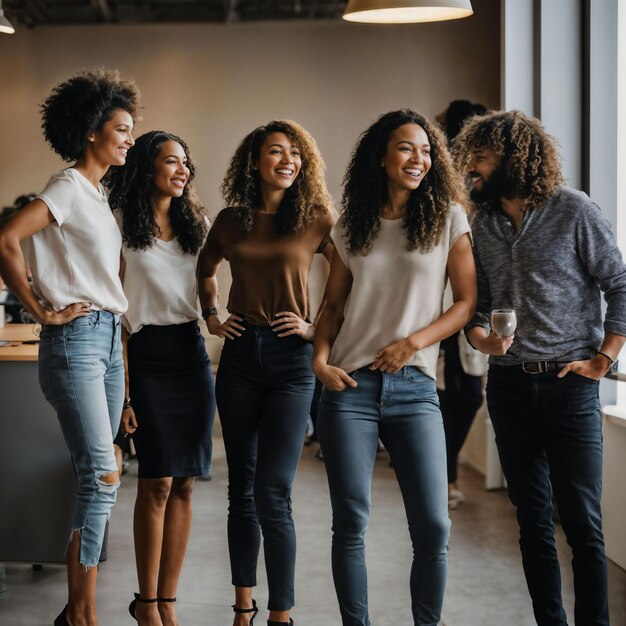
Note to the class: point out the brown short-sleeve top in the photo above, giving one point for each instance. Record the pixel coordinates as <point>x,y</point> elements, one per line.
<point>269,270</point>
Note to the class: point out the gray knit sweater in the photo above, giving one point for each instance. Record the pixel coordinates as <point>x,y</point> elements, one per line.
<point>552,272</point>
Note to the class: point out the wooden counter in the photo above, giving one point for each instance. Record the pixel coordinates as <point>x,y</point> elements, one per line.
<point>37,482</point>
<point>16,350</point>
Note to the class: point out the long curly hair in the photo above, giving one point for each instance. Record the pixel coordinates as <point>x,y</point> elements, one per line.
<point>130,193</point>
<point>303,201</point>
<point>523,146</point>
<point>365,187</point>
<point>80,106</point>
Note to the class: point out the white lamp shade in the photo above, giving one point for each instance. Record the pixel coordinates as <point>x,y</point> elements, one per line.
<point>5,25</point>
<point>406,11</point>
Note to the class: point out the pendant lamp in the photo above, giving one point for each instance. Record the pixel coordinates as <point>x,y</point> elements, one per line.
<point>5,25</point>
<point>406,11</point>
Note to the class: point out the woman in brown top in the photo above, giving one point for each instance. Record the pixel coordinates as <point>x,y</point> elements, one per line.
<point>279,216</point>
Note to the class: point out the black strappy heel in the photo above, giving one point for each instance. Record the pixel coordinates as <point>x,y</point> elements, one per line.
<point>133,605</point>
<point>271,623</point>
<point>253,610</point>
<point>61,619</point>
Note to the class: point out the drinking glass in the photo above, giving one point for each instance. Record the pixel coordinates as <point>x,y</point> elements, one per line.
<point>503,322</point>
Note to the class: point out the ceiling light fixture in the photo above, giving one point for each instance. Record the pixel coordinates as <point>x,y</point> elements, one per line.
<point>406,11</point>
<point>5,25</point>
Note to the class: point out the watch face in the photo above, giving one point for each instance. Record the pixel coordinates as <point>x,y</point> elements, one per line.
<point>614,369</point>
<point>211,310</point>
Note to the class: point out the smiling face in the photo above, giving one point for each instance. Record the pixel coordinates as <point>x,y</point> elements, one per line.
<point>407,159</point>
<point>111,142</point>
<point>170,172</point>
<point>490,178</point>
<point>279,162</point>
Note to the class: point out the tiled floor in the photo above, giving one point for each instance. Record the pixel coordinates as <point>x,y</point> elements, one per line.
<point>485,584</point>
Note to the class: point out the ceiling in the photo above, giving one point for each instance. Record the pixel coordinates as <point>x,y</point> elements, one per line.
<point>32,13</point>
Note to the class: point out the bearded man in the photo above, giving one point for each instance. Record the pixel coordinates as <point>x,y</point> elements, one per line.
<point>546,251</point>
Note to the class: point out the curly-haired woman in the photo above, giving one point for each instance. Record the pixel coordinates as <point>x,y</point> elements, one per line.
<point>168,372</point>
<point>402,234</point>
<point>278,217</point>
<point>77,296</point>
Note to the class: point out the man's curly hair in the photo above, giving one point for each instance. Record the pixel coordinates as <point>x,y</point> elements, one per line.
<point>131,195</point>
<point>523,146</point>
<point>303,201</point>
<point>365,187</point>
<point>80,105</point>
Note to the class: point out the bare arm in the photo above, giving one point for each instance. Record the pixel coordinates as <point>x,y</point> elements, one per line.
<point>208,264</point>
<point>128,422</point>
<point>335,297</point>
<point>34,217</point>
<point>462,275</point>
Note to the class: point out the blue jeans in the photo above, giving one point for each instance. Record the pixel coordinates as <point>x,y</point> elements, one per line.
<point>81,373</point>
<point>549,438</point>
<point>403,410</point>
<point>264,388</point>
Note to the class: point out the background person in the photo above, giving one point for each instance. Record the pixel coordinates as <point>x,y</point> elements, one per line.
<point>464,367</point>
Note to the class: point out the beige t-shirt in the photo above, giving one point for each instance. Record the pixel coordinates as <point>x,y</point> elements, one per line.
<point>394,293</point>
<point>76,258</point>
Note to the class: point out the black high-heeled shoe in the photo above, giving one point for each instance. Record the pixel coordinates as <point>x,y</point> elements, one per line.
<point>271,623</point>
<point>61,619</point>
<point>133,605</point>
<point>254,610</point>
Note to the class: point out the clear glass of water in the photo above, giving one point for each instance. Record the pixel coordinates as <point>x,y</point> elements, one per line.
<point>503,322</point>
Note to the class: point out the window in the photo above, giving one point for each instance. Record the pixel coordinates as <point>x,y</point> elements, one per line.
<point>621,161</point>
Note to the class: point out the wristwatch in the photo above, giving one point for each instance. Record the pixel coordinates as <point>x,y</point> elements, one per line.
<point>210,310</point>
<point>613,363</point>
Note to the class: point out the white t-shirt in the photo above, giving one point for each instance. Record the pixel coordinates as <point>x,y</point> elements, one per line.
<point>160,284</point>
<point>77,257</point>
<point>394,293</point>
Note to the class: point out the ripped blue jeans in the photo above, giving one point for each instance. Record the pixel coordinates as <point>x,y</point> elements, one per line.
<point>81,373</point>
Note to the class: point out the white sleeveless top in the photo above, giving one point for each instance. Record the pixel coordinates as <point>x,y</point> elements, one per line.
<point>76,258</point>
<point>160,284</point>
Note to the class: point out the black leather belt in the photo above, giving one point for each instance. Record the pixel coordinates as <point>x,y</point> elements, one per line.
<point>541,367</point>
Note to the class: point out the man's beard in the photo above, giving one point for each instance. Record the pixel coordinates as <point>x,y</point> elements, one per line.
<point>499,185</point>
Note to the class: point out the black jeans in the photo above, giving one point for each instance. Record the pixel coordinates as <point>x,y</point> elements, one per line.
<point>264,388</point>
<point>459,402</point>
<point>548,433</point>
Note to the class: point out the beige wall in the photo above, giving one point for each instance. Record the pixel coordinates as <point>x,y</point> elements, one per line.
<point>212,84</point>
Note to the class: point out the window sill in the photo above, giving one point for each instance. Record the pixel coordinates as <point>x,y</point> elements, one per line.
<point>615,414</point>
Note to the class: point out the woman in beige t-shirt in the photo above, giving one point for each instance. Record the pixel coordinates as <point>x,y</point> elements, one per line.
<point>402,234</point>
<point>279,216</point>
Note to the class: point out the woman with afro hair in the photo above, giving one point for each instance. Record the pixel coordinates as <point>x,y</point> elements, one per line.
<point>279,215</point>
<point>168,372</point>
<point>77,296</point>
<point>402,234</point>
